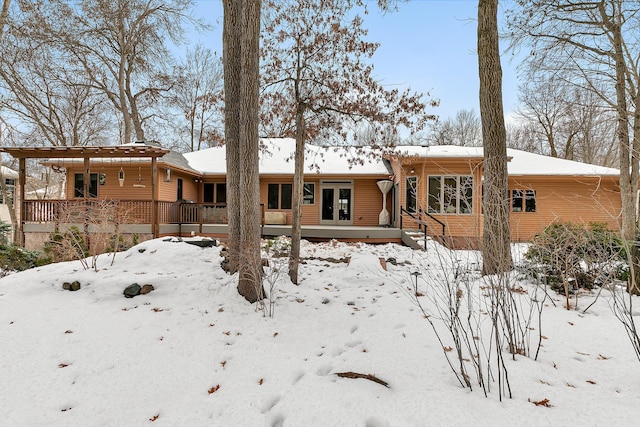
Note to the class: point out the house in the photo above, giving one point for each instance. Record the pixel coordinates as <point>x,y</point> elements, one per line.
<point>349,193</point>
<point>444,184</point>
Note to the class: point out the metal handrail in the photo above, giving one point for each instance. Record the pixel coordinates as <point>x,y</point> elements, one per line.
<point>417,217</point>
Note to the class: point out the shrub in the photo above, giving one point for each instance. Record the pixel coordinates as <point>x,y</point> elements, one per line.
<point>5,229</point>
<point>66,246</point>
<point>570,256</point>
<point>15,258</point>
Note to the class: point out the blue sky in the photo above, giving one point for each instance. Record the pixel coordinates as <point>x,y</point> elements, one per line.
<point>428,45</point>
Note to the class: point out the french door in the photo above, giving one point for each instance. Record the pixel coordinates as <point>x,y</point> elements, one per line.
<point>336,203</point>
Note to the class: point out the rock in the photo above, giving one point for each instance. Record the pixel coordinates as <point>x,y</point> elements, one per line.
<point>73,286</point>
<point>145,289</point>
<point>204,243</point>
<point>132,290</point>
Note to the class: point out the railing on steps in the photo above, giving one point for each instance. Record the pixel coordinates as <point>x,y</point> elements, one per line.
<point>423,226</point>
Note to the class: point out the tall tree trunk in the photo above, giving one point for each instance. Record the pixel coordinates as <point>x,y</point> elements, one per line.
<point>628,152</point>
<point>250,266</point>
<point>232,72</point>
<point>496,237</point>
<point>298,184</point>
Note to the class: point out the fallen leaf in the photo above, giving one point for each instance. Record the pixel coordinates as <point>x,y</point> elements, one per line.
<point>543,402</point>
<point>155,417</point>
<point>214,389</point>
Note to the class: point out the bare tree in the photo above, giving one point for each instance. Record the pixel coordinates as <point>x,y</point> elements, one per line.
<point>120,45</point>
<point>321,87</point>
<point>198,96</point>
<point>595,41</point>
<point>496,234</point>
<point>54,104</point>
<point>464,129</point>
<point>241,36</point>
<point>570,119</point>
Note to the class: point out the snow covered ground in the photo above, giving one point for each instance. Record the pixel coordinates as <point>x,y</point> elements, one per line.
<point>195,353</point>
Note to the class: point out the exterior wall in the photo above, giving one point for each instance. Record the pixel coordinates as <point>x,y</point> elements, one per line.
<point>134,178</point>
<point>458,227</point>
<point>576,199</point>
<point>367,198</point>
<point>558,198</point>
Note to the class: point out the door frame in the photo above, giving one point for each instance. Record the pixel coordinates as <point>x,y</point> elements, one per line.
<point>336,186</point>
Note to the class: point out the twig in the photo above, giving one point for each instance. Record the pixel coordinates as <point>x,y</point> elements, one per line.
<point>369,377</point>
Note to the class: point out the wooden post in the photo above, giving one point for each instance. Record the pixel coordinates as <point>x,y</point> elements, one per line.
<point>155,227</point>
<point>86,181</point>
<point>22,174</point>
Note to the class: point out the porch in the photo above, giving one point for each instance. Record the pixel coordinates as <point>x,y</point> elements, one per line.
<point>42,217</point>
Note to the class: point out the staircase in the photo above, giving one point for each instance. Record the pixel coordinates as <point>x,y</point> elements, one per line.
<point>418,238</point>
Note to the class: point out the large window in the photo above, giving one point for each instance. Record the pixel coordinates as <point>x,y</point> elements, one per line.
<point>450,194</point>
<point>215,192</point>
<point>279,196</point>
<point>411,194</point>
<point>523,201</point>
<point>11,189</point>
<point>79,185</point>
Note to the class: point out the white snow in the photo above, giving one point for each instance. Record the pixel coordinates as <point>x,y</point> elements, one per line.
<point>521,162</point>
<point>278,158</point>
<point>195,353</point>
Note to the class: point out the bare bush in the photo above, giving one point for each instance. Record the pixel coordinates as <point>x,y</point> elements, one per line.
<point>87,230</point>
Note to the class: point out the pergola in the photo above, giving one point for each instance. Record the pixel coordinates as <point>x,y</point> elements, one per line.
<point>85,153</point>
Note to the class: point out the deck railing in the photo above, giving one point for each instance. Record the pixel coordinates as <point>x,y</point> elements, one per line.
<point>125,211</point>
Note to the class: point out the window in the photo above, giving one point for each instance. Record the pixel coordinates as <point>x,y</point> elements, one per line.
<point>523,201</point>
<point>450,194</point>
<point>411,194</point>
<point>11,188</point>
<point>79,185</point>
<point>215,192</point>
<point>179,190</point>
<point>309,194</point>
<point>279,196</point>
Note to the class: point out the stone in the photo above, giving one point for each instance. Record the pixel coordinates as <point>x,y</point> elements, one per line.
<point>145,289</point>
<point>204,243</point>
<point>73,286</point>
<point>132,290</point>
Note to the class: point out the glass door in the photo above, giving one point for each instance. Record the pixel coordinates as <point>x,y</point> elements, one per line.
<point>336,204</point>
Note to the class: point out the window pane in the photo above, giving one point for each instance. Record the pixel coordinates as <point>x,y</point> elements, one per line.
<point>450,195</point>
<point>434,194</point>
<point>221,192</point>
<point>516,200</point>
<point>93,185</point>
<point>530,201</point>
<point>466,194</point>
<point>78,185</point>
<point>208,193</point>
<point>286,192</point>
<point>411,194</point>
<point>344,204</point>
<point>273,192</point>
<point>179,189</point>
<point>309,194</point>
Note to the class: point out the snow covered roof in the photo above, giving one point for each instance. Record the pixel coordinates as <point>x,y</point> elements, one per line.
<point>278,159</point>
<point>9,173</point>
<point>521,162</point>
